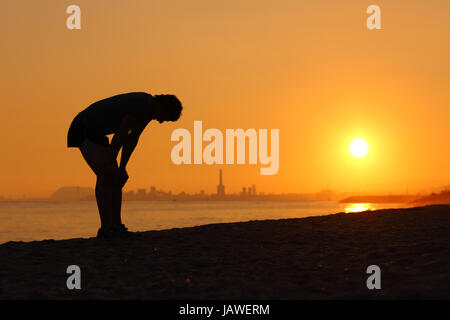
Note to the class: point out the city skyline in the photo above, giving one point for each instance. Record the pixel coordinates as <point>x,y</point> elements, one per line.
<point>87,193</point>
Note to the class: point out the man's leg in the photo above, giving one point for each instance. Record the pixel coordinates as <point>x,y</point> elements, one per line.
<point>115,192</point>
<point>117,206</point>
<point>105,189</point>
<point>104,197</point>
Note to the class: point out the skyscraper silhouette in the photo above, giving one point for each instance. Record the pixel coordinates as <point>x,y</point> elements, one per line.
<point>220,187</point>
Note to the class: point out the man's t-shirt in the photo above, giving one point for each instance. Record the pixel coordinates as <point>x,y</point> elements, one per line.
<point>105,116</point>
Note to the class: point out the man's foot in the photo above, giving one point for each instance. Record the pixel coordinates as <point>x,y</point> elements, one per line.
<point>114,232</point>
<point>124,233</point>
<point>106,233</point>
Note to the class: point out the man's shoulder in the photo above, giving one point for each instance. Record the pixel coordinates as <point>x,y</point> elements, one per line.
<point>131,96</point>
<point>126,97</point>
<point>136,94</point>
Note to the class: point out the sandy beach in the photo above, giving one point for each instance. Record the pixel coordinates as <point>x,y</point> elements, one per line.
<point>310,258</point>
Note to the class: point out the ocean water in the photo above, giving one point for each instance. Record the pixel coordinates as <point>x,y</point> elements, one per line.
<point>29,221</point>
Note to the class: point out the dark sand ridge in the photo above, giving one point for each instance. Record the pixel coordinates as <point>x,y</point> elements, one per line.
<point>316,257</point>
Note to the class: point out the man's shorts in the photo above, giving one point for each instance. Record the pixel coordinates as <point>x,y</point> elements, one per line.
<point>79,131</point>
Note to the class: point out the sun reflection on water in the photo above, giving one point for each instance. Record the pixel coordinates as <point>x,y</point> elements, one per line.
<point>358,207</point>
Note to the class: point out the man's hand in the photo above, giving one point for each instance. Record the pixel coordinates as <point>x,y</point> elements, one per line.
<point>121,135</point>
<point>123,177</point>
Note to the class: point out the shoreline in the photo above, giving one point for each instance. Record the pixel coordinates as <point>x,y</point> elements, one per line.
<point>320,257</point>
<point>59,221</point>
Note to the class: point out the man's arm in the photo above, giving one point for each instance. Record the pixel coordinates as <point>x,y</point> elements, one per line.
<point>120,136</point>
<point>129,146</point>
<point>126,136</point>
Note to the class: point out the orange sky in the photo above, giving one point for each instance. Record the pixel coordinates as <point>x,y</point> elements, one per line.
<point>309,68</point>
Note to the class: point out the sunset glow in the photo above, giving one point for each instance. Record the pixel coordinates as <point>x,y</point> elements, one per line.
<point>359,148</point>
<point>358,207</point>
<point>321,79</point>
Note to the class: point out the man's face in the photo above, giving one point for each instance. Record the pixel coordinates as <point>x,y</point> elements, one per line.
<point>163,116</point>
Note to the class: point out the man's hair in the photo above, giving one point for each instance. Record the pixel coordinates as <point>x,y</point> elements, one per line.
<point>171,104</point>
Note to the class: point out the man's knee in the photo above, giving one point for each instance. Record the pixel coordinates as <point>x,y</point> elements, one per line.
<point>108,179</point>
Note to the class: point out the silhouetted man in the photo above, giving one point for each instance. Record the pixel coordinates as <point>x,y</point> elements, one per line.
<point>125,116</point>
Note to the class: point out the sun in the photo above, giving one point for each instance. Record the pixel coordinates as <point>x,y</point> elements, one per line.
<point>359,147</point>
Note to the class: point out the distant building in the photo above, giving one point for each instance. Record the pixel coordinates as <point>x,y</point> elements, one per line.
<point>140,194</point>
<point>72,194</point>
<point>128,195</point>
<point>220,187</point>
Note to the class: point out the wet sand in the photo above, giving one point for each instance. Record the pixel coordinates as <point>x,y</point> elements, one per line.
<point>310,258</point>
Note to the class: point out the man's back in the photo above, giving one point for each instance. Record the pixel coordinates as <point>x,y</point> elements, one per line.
<point>105,116</point>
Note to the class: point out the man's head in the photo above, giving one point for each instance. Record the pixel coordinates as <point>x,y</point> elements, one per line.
<point>168,108</point>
